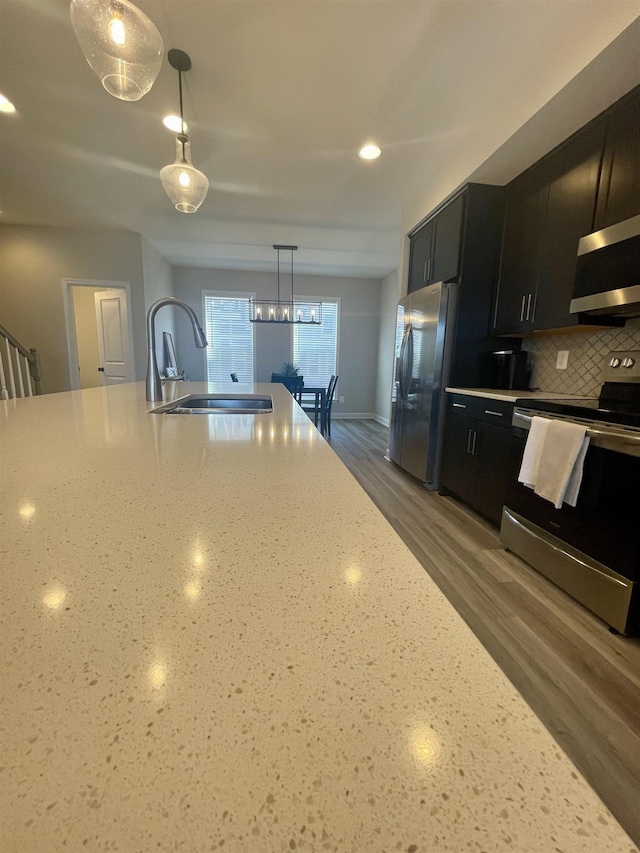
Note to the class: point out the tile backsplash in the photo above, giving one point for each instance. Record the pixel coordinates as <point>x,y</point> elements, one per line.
<point>587,351</point>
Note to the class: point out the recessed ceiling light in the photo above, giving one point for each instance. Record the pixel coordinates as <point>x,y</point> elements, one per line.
<point>369,152</point>
<point>5,105</point>
<point>174,124</point>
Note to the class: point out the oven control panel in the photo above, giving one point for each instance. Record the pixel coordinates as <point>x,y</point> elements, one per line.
<point>622,366</point>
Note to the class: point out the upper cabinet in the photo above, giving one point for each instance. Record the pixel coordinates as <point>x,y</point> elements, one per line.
<point>435,248</point>
<point>571,181</point>
<point>461,240</point>
<point>524,219</point>
<point>619,192</point>
<point>420,257</point>
<point>549,207</point>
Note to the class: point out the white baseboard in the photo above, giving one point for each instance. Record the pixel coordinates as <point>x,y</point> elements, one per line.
<point>354,416</point>
<point>381,420</point>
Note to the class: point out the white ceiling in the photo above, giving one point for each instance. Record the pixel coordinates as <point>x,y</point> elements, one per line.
<point>280,97</point>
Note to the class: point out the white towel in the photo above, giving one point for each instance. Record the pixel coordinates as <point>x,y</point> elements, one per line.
<point>575,480</point>
<point>561,463</point>
<point>533,451</point>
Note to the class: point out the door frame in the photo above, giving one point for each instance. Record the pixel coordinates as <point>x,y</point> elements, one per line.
<point>70,324</point>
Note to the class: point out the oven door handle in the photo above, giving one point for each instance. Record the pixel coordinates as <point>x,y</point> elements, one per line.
<point>617,440</point>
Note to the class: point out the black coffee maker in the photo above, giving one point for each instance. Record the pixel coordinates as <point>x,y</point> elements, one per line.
<point>510,370</point>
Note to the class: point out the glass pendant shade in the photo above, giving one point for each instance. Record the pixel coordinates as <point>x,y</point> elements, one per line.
<point>120,43</point>
<point>183,183</point>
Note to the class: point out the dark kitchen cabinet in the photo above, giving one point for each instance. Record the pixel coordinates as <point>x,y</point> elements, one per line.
<point>459,463</point>
<point>477,465</point>
<point>420,257</point>
<point>446,242</point>
<point>619,192</point>
<point>549,207</point>
<point>461,240</point>
<point>572,184</point>
<point>435,247</point>
<point>526,200</point>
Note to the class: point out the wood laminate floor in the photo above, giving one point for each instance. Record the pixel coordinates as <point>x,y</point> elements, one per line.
<point>582,681</point>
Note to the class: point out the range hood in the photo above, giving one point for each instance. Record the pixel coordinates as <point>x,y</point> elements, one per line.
<point>608,271</point>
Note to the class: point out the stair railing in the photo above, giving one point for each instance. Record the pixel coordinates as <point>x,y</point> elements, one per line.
<point>20,366</point>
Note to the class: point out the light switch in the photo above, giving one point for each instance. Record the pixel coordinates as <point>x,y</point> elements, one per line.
<point>563,359</point>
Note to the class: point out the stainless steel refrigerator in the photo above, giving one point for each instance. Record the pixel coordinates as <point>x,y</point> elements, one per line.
<point>425,327</point>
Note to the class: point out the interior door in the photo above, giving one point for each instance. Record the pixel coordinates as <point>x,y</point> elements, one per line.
<point>113,336</point>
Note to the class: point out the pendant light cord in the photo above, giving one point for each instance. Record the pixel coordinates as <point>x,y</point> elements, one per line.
<point>183,136</point>
<point>278,276</point>
<point>181,110</point>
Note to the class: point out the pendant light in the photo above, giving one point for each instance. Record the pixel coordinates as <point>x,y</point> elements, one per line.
<point>183,183</point>
<point>120,43</point>
<point>283,310</point>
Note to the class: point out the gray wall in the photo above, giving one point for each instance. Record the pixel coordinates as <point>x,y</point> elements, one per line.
<point>35,259</point>
<point>33,262</point>
<point>359,327</point>
<point>389,296</point>
<point>158,282</point>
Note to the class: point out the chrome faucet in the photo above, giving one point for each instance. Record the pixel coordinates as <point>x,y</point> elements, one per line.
<point>154,383</point>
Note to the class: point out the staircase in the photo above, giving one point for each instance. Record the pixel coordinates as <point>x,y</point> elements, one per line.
<point>19,368</point>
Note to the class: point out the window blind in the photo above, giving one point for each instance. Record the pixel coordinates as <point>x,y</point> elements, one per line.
<point>230,336</point>
<point>315,348</point>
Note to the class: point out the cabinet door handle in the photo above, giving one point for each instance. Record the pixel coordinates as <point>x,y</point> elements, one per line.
<point>429,270</point>
<point>529,306</point>
<point>473,446</point>
<point>459,406</point>
<point>524,299</point>
<point>424,274</point>
<point>469,441</point>
<point>497,414</point>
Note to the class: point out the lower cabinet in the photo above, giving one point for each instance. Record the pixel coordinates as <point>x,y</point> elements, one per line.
<point>477,465</point>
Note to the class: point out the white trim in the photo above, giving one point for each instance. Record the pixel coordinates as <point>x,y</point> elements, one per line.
<point>70,324</point>
<point>355,416</point>
<point>230,294</point>
<point>384,421</point>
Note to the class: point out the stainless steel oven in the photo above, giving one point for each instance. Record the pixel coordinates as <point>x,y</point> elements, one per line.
<point>591,550</point>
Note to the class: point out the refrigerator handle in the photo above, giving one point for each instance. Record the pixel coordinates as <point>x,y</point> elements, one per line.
<point>409,358</point>
<point>401,362</point>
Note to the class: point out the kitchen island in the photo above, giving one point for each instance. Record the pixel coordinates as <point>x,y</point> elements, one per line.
<point>214,641</point>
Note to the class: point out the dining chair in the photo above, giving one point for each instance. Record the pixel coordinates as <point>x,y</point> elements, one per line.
<point>325,410</point>
<point>293,384</point>
<point>331,390</point>
<point>234,377</point>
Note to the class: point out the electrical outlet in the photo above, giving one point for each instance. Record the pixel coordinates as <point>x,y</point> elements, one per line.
<point>342,399</point>
<point>563,359</point>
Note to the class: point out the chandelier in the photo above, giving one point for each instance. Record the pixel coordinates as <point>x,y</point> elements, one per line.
<point>185,185</point>
<point>285,310</point>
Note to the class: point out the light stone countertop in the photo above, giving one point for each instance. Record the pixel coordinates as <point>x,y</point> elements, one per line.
<point>214,641</point>
<point>511,396</point>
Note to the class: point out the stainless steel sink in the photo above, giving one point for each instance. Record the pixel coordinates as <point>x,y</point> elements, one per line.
<point>217,404</point>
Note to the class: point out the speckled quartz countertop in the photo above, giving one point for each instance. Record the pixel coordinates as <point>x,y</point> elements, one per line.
<point>511,396</point>
<point>213,640</point>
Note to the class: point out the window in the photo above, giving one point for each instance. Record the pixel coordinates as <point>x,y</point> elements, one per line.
<point>230,336</point>
<point>315,348</point>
